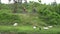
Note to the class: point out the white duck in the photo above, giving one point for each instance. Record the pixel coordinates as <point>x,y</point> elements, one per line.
<point>50,26</point>
<point>45,28</point>
<point>15,24</point>
<point>34,27</point>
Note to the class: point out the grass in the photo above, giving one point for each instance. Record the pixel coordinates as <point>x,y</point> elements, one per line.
<point>18,28</point>
<point>29,30</point>
<point>27,18</point>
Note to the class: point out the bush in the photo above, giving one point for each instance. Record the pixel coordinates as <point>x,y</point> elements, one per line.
<point>8,19</point>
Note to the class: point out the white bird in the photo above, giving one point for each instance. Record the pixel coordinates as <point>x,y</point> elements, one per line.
<point>34,27</point>
<point>45,28</point>
<point>15,24</point>
<point>50,26</point>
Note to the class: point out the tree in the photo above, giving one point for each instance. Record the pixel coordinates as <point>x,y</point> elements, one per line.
<point>20,1</point>
<point>0,4</point>
<point>39,1</point>
<point>15,6</point>
<point>25,1</point>
<point>9,0</point>
<point>54,3</point>
<point>0,1</point>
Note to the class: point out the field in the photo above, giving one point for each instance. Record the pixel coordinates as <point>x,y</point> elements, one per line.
<point>28,30</point>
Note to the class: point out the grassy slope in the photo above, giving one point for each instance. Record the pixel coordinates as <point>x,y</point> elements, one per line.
<point>31,19</point>
<point>29,29</point>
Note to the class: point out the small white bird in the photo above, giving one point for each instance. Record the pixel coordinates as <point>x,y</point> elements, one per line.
<point>34,27</point>
<point>15,24</point>
<point>45,28</point>
<point>50,26</point>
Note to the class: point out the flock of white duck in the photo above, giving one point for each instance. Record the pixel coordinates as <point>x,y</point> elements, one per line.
<point>34,27</point>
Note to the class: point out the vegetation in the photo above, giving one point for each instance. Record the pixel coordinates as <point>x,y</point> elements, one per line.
<point>27,30</point>
<point>8,19</point>
<point>28,15</point>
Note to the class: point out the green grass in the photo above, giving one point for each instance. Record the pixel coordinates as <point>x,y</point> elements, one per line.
<point>18,28</point>
<point>29,29</point>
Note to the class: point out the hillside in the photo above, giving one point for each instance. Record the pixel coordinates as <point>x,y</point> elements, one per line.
<point>30,18</point>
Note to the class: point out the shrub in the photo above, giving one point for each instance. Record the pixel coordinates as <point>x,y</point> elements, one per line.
<point>8,19</point>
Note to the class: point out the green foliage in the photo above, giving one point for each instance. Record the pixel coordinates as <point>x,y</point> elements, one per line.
<point>5,11</point>
<point>46,15</point>
<point>8,19</point>
<point>49,14</point>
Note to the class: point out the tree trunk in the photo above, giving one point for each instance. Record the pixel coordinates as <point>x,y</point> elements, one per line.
<point>15,7</point>
<point>25,1</point>
<point>9,0</point>
<point>0,1</point>
<point>0,4</point>
<point>20,1</point>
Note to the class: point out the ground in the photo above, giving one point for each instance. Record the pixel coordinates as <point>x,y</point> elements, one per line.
<point>29,29</point>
